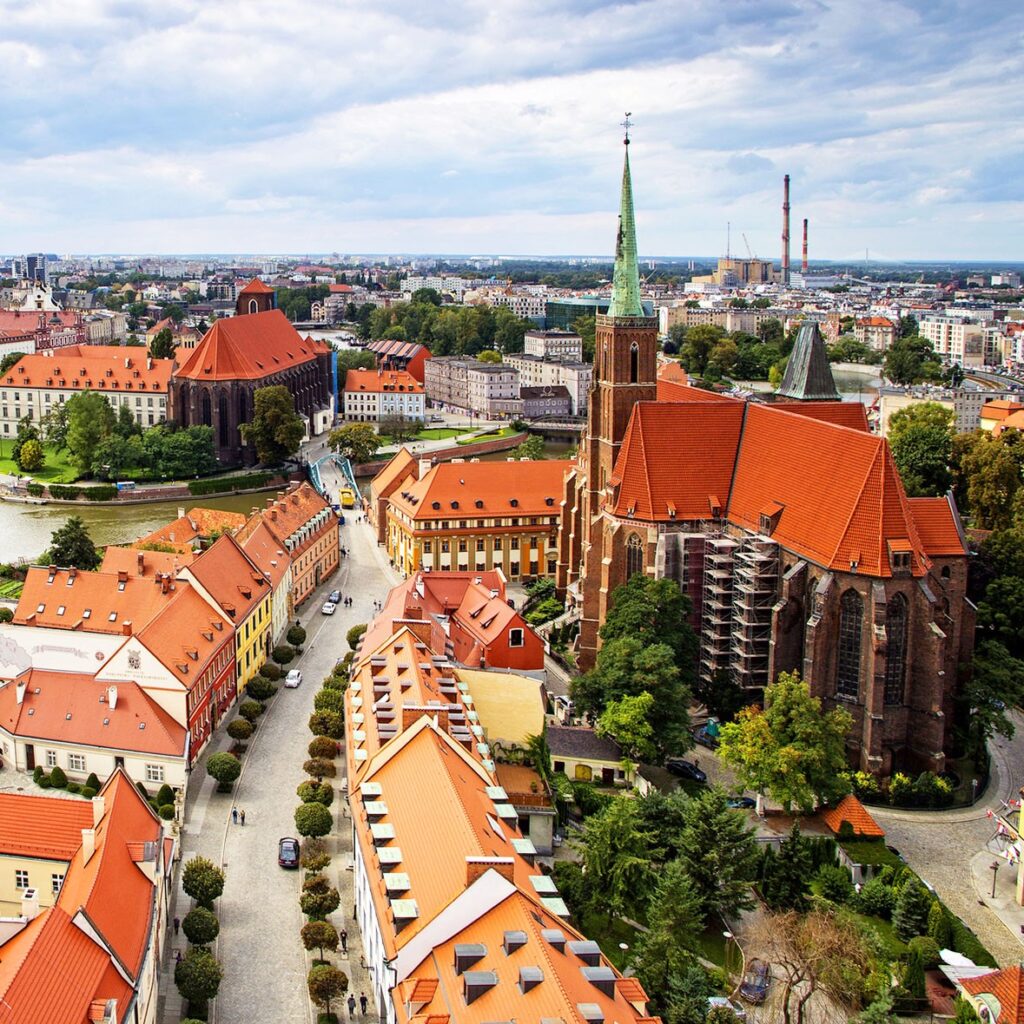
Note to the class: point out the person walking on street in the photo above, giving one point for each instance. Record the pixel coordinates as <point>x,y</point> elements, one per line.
<point>362,1003</point>
<point>177,925</point>
<point>343,935</point>
<point>234,815</point>
<point>241,816</point>
<point>351,1005</point>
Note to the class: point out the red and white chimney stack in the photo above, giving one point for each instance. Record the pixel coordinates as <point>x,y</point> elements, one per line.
<point>785,231</point>
<point>803,263</point>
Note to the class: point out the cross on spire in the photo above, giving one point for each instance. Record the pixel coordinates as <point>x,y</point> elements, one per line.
<point>627,124</point>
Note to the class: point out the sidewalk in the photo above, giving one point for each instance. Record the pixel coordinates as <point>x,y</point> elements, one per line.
<point>1004,905</point>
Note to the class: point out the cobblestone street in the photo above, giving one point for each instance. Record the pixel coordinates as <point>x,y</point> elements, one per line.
<point>259,946</point>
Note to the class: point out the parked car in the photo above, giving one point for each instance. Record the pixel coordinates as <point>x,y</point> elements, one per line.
<point>738,1012</point>
<point>293,679</point>
<point>334,597</point>
<point>707,734</point>
<point>328,608</point>
<point>741,803</point>
<point>685,769</point>
<point>288,852</point>
<point>754,987</point>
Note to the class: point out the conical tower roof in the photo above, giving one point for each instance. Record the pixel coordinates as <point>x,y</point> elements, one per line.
<point>808,376</point>
<point>626,279</point>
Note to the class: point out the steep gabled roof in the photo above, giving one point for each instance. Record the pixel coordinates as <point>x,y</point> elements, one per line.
<point>227,574</point>
<point>247,347</point>
<point>256,287</point>
<point>808,376</point>
<point>1007,986</point>
<point>42,826</point>
<point>938,526</point>
<point>851,810</point>
<point>844,414</point>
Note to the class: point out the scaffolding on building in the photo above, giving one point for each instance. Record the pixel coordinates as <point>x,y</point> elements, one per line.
<point>716,623</point>
<point>756,569</point>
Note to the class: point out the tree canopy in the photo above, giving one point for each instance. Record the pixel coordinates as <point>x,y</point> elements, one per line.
<point>911,360</point>
<point>71,545</point>
<point>163,346</point>
<point>276,429</point>
<point>358,442</point>
<point>91,421</point>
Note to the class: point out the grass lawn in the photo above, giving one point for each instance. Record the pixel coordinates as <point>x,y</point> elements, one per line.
<point>491,435</point>
<point>438,433</point>
<point>56,471</point>
<point>711,945</point>
<point>889,940</point>
<point>11,588</point>
<point>608,934</point>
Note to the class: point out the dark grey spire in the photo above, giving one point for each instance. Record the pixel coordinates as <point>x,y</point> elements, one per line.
<point>808,377</point>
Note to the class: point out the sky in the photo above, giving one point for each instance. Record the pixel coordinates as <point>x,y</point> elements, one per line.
<point>492,126</point>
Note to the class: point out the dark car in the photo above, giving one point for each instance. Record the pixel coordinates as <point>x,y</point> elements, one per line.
<point>741,803</point>
<point>334,597</point>
<point>754,987</point>
<point>288,852</point>
<point>685,769</point>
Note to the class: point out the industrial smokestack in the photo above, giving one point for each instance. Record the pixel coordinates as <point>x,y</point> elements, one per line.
<point>785,231</point>
<point>803,264</point>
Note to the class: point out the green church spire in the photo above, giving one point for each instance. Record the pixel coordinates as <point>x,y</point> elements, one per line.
<point>626,278</point>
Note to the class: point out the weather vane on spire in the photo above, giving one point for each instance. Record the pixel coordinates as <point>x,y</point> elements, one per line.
<point>627,124</point>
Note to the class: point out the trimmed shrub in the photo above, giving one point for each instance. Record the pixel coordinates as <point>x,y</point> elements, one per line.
<point>45,783</point>
<point>900,789</point>
<point>326,983</point>
<point>202,880</point>
<point>834,884</point>
<point>252,709</point>
<point>101,493</point>
<point>36,490</point>
<point>335,683</point>
<point>37,773</point>
<point>142,789</point>
<point>928,949</point>
<point>876,899</point>
<point>314,855</point>
<point>74,787</point>
<point>240,728</point>
<point>355,634</point>
<point>319,898</point>
<point>198,976</point>
<point>225,768</point>
<point>165,795</point>
<point>200,926</point>
<point>320,768</point>
<point>327,723</point>
<point>313,820</point>
<point>283,654</point>
<point>329,700</point>
<point>260,688</point>
<point>296,635</point>
<point>323,746</point>
<point>320,935</point>
<point>166,812</point>
<point>93,783</point>
<point>270,671</point>
<point>310,792</point>
<point>221,485</point>
<point>58,779</point>
<point>88,792</point>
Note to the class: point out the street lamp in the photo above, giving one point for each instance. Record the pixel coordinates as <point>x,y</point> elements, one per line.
<point>729,938</point>
<point>995,871</point>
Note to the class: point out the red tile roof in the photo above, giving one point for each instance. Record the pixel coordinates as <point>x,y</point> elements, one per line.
<point>92,368</point>
<point>248,348</point>
<point>289,511</point>
<point>42,826</point>
<point>1007,986</point>
<point>256,287</point>
<point>852,810</point>
<point>397,381</point>
<point>225,572</point>
<point>938,526</point>
<point>264,549</point>
<point>844,414</point>
<point>148,564</point>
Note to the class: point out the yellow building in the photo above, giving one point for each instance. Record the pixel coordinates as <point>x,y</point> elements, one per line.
<point>233,584</point>
<point>477,516</point>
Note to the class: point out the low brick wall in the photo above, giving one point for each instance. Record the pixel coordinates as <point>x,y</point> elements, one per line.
<point>459,451</point>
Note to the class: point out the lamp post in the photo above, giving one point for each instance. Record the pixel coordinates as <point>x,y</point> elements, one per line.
<point>729,938</point>
<point>995,871</point>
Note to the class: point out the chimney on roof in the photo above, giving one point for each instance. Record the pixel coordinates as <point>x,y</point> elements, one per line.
<point>122,576</point>
<point>88,844</point>
<point>52,569</point>
<point>140,561</point>
<point>425,466</point>
<point>72,573</point>
<point>273,514</point>
<point>181,512</point>
<point>479,866</point>
<point>19,692</point>
<point>803,262</point>
<point>111,697</point>
<point>411,713</point>
<point>126,627</point>
<point>98,807</point>
<point>30,904</point>
<point>165,583</point>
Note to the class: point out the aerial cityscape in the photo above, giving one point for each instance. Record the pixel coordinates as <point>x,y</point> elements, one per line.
<point>511,514</point>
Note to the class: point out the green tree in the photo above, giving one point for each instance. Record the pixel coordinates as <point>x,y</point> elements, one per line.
<point>531,449</point>
<point>910,917</point>
<point>489,355</point>
<point>225,768</point>
<point>656,612</point>
<point>71,545</point>
<point>921,438</point>
<point>202,880</point>
<point>55,426</point>
<point>879,1011</point>
<point>939,925</point>
<point>696,350</point>
<point>9,361</point>
<point>719,854</point>
<point>198,976</point>
<point>313,820</point>
<point>327,723</point>
<point>27,431</point>
<point>320,935</point>
<point>791,750</point>
<point>628,722</point>
<point>911,360</point>
<point>399,427</point>
<point>319,898</point>
<point>296,635</point>
<point>356,441</point>
<point>163,345</point>
<point>586,328</point>
<point>913,975</point>
<point>127,425</point>
<point>994,685</point>
<point>429,295</point>
<point>31,458</point>
<point>354,635</point>
<point>276,429</point>
<point>326,983</point>
<point>355,359</point>
<point>988,477</point>
<point>908,326</point>
<point>964,1013</point>
<point>200,926</point>
<point>90,421</point>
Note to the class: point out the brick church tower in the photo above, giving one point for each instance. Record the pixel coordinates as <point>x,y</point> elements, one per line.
<point>625,372</point>
<point>255,297</point>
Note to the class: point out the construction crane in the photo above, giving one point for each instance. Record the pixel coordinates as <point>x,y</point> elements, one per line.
<point>750,255</point>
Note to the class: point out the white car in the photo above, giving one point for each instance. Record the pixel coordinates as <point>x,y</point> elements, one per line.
<point>293,679</point>
<point>328,608</point>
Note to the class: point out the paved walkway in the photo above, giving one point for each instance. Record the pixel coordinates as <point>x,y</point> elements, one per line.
<point>264,963</point>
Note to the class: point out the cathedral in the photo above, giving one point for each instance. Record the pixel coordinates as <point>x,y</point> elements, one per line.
<point>785,523</point>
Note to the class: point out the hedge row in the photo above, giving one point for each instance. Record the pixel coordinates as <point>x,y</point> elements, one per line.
<point>248,481</point>
<point>72,492</point>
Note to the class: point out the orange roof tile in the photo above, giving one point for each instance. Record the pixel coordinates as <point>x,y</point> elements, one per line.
<point>1000,408</point>
<point>844,414</point>
<point>264,549</point>
<point>852,810</point>
<point>485,489</point>
<point>289,511</point>
<point>42,826</point>
<point>196,525</point>
<point>671,390</point>
<point>382,380</point>
<point>394,473</point>
<point>148,564</point>
<point>874,321</point>
<point>225,572</point>
<point>67,709</point>
<point>256,287</point>
<point>1007,986</point>
<point>938,526</point>
<point>92,368</point>
<point>247,347</point>
<point>96,602</point>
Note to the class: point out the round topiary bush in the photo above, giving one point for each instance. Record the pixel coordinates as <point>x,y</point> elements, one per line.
<point>296,635</point>
<point>270,671</point>
<point>240,728</point>
<point>283,654</point>
<point>260,688</point>
<point>310,792</point>
<point>355,634</point>
<point>37,773</point>
<point>166,812</point>
<point>928,949</point>
<point>44,783</point>
<point>93,783</point>
<point>225,768</point>
<point>327,723</point>
<point>335,683</point>
<point>313,820</point>
<point>329,700</point>
<point>58,779</point>
<point>320,768</point>
<point>323,746</point>
<point>165,795</point>
<point>200,926</point>
<point>88,792</point>
<point>252,709</point>
<point>74,787</point>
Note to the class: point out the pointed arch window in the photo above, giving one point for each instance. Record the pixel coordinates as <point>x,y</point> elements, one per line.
<point>254,306</point>
<point>851,618</point>
<point>634,363</point>
<point>634,556</point>
<point>896,649</point>
<point>206,412</point>
<point>223,425</point>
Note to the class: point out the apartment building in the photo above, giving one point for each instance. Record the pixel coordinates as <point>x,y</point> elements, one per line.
<point>877,332</point>
<point>566,346</point>
<point>493,390</point>
<point>955,339</point>
<point>544,372</point>
<point>446,382</point>
<point>373,395</point>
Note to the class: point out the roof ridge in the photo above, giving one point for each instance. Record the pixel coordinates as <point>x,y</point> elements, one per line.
<point>855,506</point>
<point>643,454</point>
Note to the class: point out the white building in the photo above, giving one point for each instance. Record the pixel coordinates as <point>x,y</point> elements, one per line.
<point>536,372</point>
<point>373,395</point>
<point>955,339</point>
<point>493,389</point>
<point>562,345</point>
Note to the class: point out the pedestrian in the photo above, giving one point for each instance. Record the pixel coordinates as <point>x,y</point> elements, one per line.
<point>234,815</point>
<point>241,817</point>
<point>177,956</point>
<point>363,1001</point>
<point>177,925</point>
<point>351,1005</point>
<point>343,935</point>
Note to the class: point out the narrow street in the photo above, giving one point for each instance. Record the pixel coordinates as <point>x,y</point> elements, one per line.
<point>259,945</point>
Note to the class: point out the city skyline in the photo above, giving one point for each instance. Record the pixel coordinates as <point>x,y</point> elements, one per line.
<point>178,129</point>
